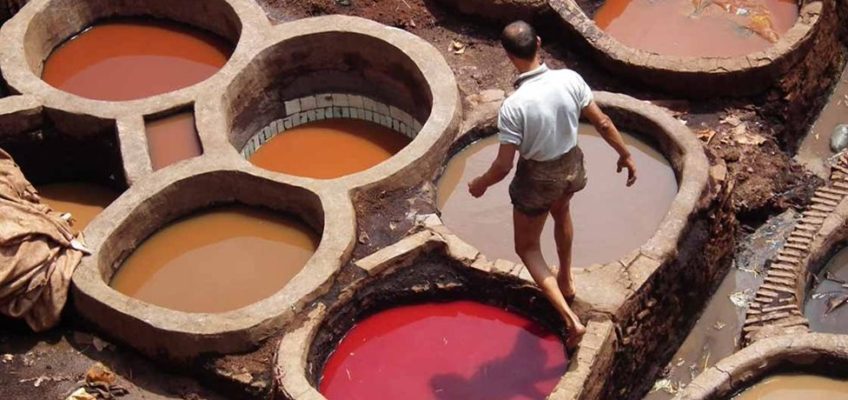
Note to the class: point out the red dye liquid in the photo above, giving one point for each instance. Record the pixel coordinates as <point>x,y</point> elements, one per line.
<point>447,351</point>
<point>133,59</point>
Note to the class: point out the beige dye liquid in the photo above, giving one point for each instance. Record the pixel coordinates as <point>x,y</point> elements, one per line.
<point>172,139</point>
<point>797,387</point>
<point>329,149</point>
<point>610,219</point>
<point>82,200</point>
<point>218,260</point>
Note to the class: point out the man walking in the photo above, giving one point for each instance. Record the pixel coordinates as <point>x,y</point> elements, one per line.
<point>539,121</point>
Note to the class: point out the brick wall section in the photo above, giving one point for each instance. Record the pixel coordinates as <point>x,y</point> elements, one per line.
<point>776,307</point>
<point>334,106</point>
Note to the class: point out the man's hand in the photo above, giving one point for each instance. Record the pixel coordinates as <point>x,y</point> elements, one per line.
<point>627,162</point>
<point>476,187</point>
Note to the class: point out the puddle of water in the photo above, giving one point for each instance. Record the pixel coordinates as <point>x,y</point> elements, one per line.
<point>130,59</point>
<point>718,330</point>
<point>815,147</point>
<point>457,350</point>
<point>217,260</point>
<point>827,293</point>
<point>83,200</point>
<point>329,149</point>
<point>610,219</point>
<point>172,139</point>
<point>794,387</point>
<point>697,28</point>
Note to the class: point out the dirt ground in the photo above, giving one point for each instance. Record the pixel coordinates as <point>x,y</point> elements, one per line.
<point>747,135</point>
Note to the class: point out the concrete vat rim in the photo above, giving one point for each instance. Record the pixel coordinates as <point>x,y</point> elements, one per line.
<point>730,76</point>
<point>180,335</point>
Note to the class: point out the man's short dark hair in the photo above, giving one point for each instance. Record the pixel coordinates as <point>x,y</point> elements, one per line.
<point>519,39</point>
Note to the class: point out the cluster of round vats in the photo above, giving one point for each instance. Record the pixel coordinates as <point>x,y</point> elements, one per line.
<point>213,162</point>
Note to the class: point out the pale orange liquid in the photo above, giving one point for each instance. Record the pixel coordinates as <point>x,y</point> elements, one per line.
<point>172,139</point>
<point>329,149</point>
<point>82,200</point>
<point>797,387</point>
<point>610,219</point>
<point>133,59</point>
<point>697,28</point>
<point>217,261</point>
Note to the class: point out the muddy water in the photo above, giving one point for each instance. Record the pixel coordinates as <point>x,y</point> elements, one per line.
<point>134,58</point>
<point>172,139</point>
<point>82,200</point>
<point>815,147</point>
<point>697,28</point>
<point>831,291</point>
<point>457,350</point>
<point>329,149</point>
<point>217,260</point>
<point>610,220</point>
<point>795,387</point>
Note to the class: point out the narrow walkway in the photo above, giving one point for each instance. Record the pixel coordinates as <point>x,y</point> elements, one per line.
<point>814,150</point>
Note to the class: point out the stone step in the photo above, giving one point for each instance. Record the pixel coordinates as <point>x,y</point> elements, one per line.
<point>778,288</point>
<point>780,281</point>
<point>783,274</point>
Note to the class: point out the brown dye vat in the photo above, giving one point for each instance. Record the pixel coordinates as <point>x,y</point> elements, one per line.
<point>697,28</point>
<point>82,200</point>
<point>172,139</point>
<point>795,387</point>
<point>610,220</point>
<point>134,58</point>
<point>830,293</point>
<point>216,261</point>
<point>329,149</point>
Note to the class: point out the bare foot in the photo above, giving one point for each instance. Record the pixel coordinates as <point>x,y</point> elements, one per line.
<point>575,335</point>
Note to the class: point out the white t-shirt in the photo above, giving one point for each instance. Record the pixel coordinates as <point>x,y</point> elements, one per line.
<point>542,116</point>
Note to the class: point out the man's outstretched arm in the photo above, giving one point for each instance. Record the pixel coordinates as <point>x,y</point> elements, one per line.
<point>497,171</point>
<point>608,131</point>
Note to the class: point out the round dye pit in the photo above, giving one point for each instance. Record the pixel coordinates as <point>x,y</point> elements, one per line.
<point>795,387</point>
<point>82,200</point>
<point>610,219</point>
<point>457,350</point>
<point>216,261</point>
<point>825,307</point>
<point>130,59</point>
<point>699,28</point>
<point>329,149</point>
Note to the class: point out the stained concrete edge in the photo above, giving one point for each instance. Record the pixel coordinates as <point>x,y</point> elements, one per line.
<point>757,361</point>
<point>169,334</point>
<point>595,352</point>
<point>728,76</point>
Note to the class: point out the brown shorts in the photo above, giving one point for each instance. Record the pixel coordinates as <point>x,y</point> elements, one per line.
<point>538,184</point>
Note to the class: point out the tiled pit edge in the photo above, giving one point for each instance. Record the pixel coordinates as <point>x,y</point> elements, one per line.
<point>297,369</point>
<point>334,106</point>
<point>705,76</point>
<point>778,303</point>
<point>635,292</point>
<point>178,191</point>
<point>813,352</point>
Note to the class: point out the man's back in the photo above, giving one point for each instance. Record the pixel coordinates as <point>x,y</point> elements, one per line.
<point>542,116</point>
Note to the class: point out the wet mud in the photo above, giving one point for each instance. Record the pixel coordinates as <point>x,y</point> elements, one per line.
<point>172,139</point>
<point>129,59</point>
<point>825,306</point>
<point>610,219</point>
<point>218,260</point>
<point>699,28</point>
<point>83,201</point>
<point>456,350</point>
<point>329,149</point>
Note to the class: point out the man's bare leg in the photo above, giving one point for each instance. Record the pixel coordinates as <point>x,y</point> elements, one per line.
<point>528,230</point>
<point>564,235</point>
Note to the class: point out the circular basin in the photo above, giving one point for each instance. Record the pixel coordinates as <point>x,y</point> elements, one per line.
<point>610,219</point>
<point>796,386</point>
<point>455,350</point>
